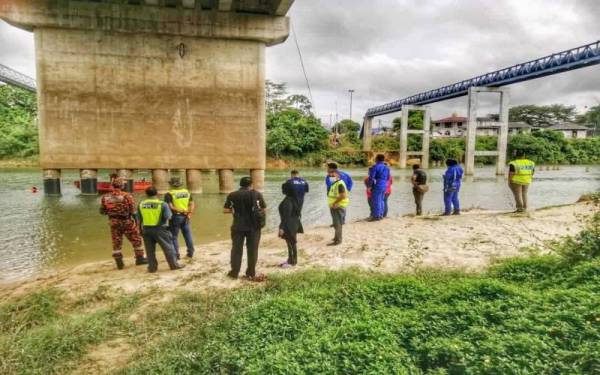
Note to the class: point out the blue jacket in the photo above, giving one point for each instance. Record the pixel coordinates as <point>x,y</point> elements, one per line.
<point>344,176</point>
<point>379,174</point>
<point>452,178</point>
<point>300,187</point>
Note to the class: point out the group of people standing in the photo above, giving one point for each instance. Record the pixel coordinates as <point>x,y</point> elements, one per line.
<point>156,221</point>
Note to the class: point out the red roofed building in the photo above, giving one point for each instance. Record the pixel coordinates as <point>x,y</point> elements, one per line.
<point>453,126</point>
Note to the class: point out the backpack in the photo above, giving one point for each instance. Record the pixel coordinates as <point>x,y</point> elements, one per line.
<point>259,217</point>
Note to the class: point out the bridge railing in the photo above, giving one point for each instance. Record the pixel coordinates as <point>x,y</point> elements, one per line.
<point>12,77</point>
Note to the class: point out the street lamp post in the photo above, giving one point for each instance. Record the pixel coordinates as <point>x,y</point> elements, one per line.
<point>351,91</point>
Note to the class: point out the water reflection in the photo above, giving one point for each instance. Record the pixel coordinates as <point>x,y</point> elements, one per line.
<point>38,232</point>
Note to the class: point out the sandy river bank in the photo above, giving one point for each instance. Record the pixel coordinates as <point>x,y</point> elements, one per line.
<point>468,242</point>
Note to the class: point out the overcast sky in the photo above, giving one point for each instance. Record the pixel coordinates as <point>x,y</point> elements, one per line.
<point>389,49</point>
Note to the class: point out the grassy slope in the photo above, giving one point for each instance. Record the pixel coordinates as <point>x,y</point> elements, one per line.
<point>539,315</point>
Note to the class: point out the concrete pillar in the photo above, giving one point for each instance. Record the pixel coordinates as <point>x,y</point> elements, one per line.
<point>160,180</point>
<point>471,132</point>
<point>226,181</point>
<point>127,176</point>
<point>367,133</point>
<point>51,181</point>
<point>88,181</point>
<point>403,139</point>
<point>426,137</point>
<point>194,181</point>
<point>258,179</point>
<point>503,131</point>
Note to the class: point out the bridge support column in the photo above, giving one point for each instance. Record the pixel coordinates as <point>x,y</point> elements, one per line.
<point>194,181</point>
<point>501,125</point>
<point>258,179</point>
<point>88,181</point>
<point>225,181</point>
<point>160,180</point>
<point>404,132</point>
<point>51,181</point>
<point>127,176</point>
<point>367,133</point>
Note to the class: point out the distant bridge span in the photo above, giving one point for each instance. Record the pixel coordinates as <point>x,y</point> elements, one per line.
<point>576,58</point>
<point>12,77</point>
<point>555,63</point>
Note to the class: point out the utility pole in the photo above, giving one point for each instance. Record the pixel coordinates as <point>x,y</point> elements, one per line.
<point>351,91</point>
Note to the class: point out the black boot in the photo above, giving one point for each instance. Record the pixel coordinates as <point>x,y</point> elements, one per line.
<point>141,261</point>
<point>120,264</point>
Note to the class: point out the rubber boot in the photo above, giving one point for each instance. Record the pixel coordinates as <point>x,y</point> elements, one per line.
<point>141,261</point>
<point>120,264</point>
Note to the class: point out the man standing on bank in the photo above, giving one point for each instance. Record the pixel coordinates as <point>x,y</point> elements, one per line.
<point>181,203</point>
<point>247,206</point>
<point>153,215</point>
<point>337,199</point>
<point>119,206</point>
<point>299,185</point>
<point>419,187</point>
<point>520,176</point>
<point>379,175</point>
<point>452,184</point>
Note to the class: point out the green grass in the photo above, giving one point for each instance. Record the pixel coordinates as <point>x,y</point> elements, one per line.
<point>535,315</point>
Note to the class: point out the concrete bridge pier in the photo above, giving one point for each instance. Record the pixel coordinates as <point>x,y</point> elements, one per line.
<point>501,124</point>
<point>405,131</point>
<point>160,180</point>
<point>194,181</point>
<point>258,179</point>
<point>127,176</point>
<point>51,181</point>
<point>88,180</point>
<point>226,182</point>
<point>367,133</point>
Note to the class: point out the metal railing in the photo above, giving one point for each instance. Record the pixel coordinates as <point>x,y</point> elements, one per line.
<point>12,77</point>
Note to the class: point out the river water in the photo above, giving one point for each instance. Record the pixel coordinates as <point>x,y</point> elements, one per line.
<point>39,233</point>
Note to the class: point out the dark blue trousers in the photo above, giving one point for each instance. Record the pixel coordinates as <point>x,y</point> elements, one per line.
<point>450,201</point>
<point>377,198</point>
<point>181,222</point>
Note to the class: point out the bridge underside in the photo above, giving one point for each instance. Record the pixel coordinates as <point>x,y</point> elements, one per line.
<point>152,84</point>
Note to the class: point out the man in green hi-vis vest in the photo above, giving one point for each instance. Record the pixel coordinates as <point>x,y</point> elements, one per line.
<point>520,176</point>
<point>153,215</point>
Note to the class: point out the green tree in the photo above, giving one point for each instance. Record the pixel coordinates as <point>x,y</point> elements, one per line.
<point>591,118</point>
<point>18,129</point>
<point>415,121</point>
<point>292,132</point>
<point>543,116</point>
<point>347,126</point>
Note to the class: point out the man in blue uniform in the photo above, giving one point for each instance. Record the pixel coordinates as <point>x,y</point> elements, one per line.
<point>379,174</point>
<point>298,185</point>
<point>452,183</point>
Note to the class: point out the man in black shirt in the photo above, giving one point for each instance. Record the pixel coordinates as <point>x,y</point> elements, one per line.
<point>419,182</point>
<point>241,203</point>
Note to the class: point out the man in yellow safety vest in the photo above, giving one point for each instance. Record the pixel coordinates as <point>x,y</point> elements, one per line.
<point>520,176</point>
<point>337,200</point>
<point>181,203</point>
<point>153,215</point>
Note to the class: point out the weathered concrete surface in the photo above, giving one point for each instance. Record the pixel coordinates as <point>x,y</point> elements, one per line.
<point>149,87</point>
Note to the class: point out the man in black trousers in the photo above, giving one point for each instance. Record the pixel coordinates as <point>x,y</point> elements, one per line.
<point>245,205</point>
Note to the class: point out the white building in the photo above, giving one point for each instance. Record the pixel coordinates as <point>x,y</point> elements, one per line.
<point>456,126</point>
<point>570,130</point>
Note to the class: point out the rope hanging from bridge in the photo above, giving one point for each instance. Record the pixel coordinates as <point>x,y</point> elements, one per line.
<point>12,77</point>
<point>560,62</point>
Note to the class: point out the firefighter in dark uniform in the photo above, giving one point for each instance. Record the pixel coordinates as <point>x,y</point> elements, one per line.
<point>120,208</point>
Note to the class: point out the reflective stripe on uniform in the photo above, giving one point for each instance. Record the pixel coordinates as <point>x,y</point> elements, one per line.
<point>151,211</point>
<point>181,199</point>
<point>523,171</point>
<point>334,193</point>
